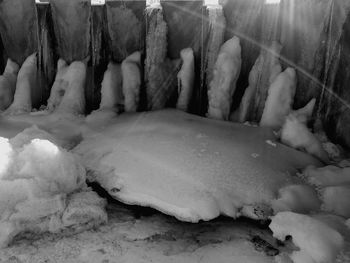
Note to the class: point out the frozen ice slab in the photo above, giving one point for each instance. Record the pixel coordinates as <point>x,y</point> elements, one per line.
<point>190,167</point>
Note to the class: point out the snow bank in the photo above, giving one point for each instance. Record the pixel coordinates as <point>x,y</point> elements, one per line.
<point>336,199</point>
<point>8,84</point>
<point>295,133</point>
<point>296,198</point>
<point>318,242</point>
<point>131,70</point>
<point>187,166</point>
<point>279,100</point>
<point>185,79</point>
<point>39,181</point>
<point>226,72</point>
<point>26,83</point>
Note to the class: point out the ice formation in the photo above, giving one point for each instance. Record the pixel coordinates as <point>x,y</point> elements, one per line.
<point>336,200</point>
<point>40,184</point>
<point>111,88</point>
<point>8,84</point>
<point>26,83</point>
<point>59,86</point>
<point>217,25</point>
<point>304,114</point>
<point>187,166</point>
<point>131,70</point>
<point>327,176</point>
<point>73,100</point>
<point>318,243</point>
<point>265,70</point>
<point>185,79</point>
<point>297,198</point>
<point>295,133</point>
<point>279,100</point>
<point>226,72</point>
<point>160,72</point>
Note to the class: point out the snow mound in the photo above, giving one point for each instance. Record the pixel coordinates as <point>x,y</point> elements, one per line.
<point>38,182</point>
<point>297,198</point>
<point>327,176</point>
<point>318,242</point>
<point>336,199</point>
<point>187,166</point>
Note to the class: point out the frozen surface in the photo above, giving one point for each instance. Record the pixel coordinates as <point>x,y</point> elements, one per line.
<point>225,75</point>
<point>318,243</point>
<point>185,79</point>
<point>131,69</point>
<point>187,166</point>
<point>8,84</point>
<point>39,181</point>
<point>280,99</point>
<point>26,83</point>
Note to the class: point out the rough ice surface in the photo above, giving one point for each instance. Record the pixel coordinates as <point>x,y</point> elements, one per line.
<point>185,79</point>
<point>131,70</point>
<point>8,84</point>
<point>188,166</point>
<point>297,198</point>
<point>318,243</point>
<point>295,134</point>
<point>279,100</point>
<point>264,72</point>
<point>225,75</point>
<point>39,181</point>
<point>26,83</point>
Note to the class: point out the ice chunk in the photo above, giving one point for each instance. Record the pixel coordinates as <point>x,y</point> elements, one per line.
<point>111,90</point>
<point>187,166</point>
<point>8,84</point>
<point>336,199</point>
<point>26,83</point>
<point>296,134</point>
<point>304,114</point>
<point>226,72</point>
<point>280,99</point>
<point>318,242</point>
<point>185,79</point>
<point>131,70</point>
<point>327,176</point>
<point>296,198</point>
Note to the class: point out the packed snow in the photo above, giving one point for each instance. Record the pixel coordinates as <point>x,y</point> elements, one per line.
<point>40,183</point>
<point>8,84</point>
<point>225,75</point>
<point>317,242</point>
<point>185,79</point>
<point>187,166</point>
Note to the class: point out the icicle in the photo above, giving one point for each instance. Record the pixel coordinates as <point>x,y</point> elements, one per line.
<point>185,79</point>
<point>8,84</point>
<point>217,24</point>
<point>159,71</point>
<point>26,83</point>
<point>131,70</point>
<point>226,73</point>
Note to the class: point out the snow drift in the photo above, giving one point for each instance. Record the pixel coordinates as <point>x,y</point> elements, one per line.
<point>188,166</point>
<point>40,186</point>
